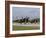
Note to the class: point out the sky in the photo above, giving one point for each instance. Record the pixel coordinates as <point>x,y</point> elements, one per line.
<point>18,12</point>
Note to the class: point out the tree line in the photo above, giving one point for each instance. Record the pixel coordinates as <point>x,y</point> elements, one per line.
<point>26,20</point>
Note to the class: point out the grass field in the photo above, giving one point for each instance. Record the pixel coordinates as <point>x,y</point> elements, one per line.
<point>25,27</point>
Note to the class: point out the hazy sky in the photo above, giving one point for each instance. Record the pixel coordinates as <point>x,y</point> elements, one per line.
<point>24,11</point>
